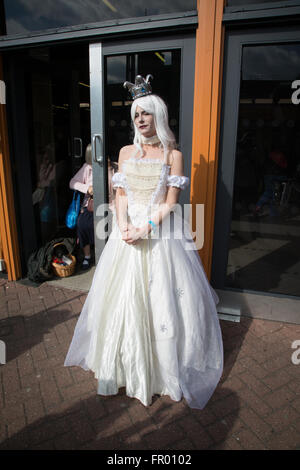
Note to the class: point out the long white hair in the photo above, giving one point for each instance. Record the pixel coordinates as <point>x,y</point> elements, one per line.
<point>154,105</point>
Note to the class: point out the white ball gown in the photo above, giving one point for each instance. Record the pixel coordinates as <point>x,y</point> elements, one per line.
<point>149,322</point>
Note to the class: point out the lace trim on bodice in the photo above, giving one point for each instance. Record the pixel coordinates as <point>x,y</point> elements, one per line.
<point>145,160</point>
<point>147,187</point>
<point>145,180</point>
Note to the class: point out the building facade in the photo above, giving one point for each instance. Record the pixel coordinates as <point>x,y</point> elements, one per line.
<point>230,74</point>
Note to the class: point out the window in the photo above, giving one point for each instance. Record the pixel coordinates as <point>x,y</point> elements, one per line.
<point>264,240</point>
<point>242,3</point>
<point>24,16</point>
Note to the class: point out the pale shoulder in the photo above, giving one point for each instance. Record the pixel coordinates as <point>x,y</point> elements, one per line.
<point>125,153</point>
<point>127,150</point>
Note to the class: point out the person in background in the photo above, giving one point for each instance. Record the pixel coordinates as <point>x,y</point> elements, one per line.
<point>275,171</point>
<point>83,181</point>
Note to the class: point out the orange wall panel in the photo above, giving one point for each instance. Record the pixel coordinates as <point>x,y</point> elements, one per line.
<point>8,227</point>
<point>206,119</point>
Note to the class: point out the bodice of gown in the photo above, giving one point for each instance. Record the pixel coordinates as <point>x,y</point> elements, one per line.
<point>145,182</point>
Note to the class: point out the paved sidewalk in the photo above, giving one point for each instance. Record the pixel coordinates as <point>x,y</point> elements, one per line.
<point>45,405</point>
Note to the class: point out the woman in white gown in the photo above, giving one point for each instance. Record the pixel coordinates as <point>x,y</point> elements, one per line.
<point>149,322</point>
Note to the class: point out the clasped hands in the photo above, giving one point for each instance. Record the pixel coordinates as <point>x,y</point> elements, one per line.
<point>132,235</point>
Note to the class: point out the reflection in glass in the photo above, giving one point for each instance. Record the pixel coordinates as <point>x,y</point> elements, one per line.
<point>165,68</point>
<point>116,72</point>
<point>242,3</point>
<point>59,113</point>
<point>265,228</point>
<point>23,16</point>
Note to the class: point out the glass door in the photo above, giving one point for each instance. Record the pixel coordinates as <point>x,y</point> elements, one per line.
<point>171,62</point>
<point>56,87</point>
<point>258,194</point>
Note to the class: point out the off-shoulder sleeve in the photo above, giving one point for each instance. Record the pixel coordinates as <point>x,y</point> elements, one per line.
<point>178,181</point>
<point>118,180</point>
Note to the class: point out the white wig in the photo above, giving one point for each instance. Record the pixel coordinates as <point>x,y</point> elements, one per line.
<point>154,105</point>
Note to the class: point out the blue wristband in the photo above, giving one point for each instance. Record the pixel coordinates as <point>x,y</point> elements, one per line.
<point>153,225</point>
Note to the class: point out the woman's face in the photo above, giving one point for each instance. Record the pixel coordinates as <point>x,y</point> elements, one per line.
<point>144,122</point>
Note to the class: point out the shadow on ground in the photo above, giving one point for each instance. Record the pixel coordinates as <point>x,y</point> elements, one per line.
<point>90,421</point>
<point>124,423</point>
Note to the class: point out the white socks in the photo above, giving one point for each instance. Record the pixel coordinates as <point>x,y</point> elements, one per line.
<point>86,260</point>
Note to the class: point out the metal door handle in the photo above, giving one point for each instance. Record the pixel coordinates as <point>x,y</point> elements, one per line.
<point>99,158</point>
<point>80,142</point>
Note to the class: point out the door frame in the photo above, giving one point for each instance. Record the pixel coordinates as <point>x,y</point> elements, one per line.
<point>242,301</point>
<point>186,43</point>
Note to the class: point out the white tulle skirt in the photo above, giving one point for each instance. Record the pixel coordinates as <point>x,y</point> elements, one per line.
<point>149,322</point>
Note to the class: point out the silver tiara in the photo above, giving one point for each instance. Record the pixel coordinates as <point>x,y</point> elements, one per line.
<point>141,87</point>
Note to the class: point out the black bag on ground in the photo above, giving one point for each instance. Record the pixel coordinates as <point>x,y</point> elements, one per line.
<point>39,263</point>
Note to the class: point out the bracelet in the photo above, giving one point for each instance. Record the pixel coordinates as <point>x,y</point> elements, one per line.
<point>153,225</point>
